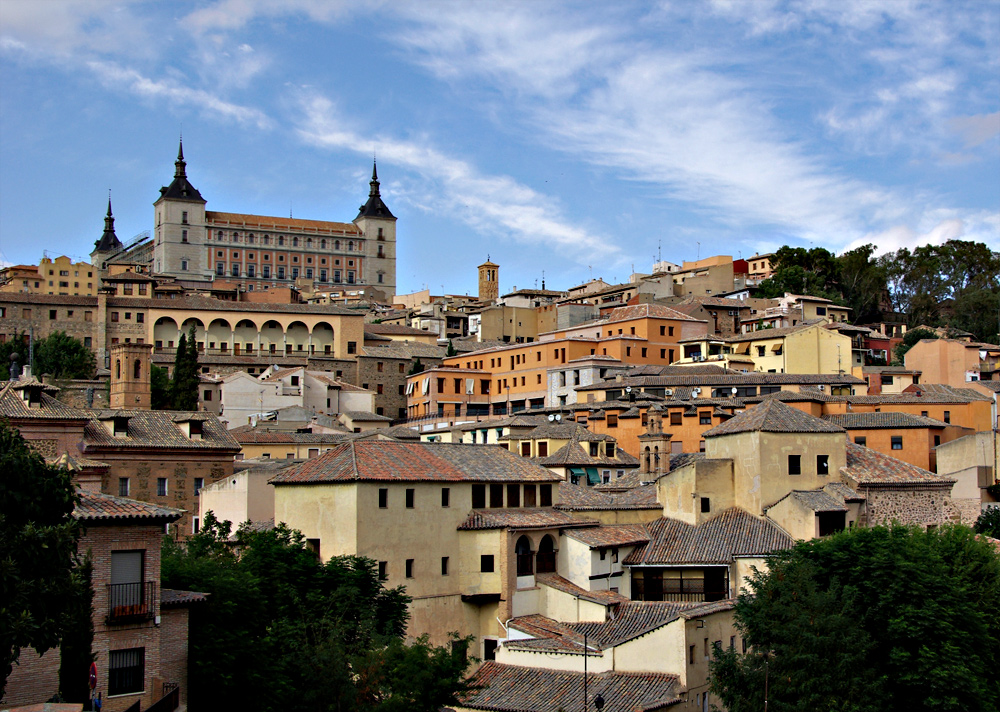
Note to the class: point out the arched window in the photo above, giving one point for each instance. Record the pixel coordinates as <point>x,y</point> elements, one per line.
<point>546,558</point>
<point>350,245</point>
<point>336,244</point>
<point>295,242</point>
<point>281,239</point>
<point>646,459</point>
<point>137,370</point>
<point>218,236</point>
<point>118,368</point>
<point>250,238</point>
<point>236,237</point>
<point>525,557</point>
<point>309,242</point>
<point>322,244</point>
<point>267,239</point>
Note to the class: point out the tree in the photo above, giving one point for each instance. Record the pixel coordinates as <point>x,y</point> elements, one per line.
<point>159,385</point>
<point>18,343</point>
<point>281,631</point>
<point>184,386</point>
<point>38,538</point>
<point>76,647</point>
<point>61,356</point>
<point>417,367</point>
<point>867,620</point>
<point>988,522</point>
<point>450,351</point>
<point>862,283</point>
<point>910,338</point>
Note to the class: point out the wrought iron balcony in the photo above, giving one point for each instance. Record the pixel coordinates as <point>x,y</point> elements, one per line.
<point>131,602</point>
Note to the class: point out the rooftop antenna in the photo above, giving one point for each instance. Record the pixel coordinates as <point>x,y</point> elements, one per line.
<point>289,209</point>
<point>659,250</point>
<point>543,280</point>
<point>699,251</point>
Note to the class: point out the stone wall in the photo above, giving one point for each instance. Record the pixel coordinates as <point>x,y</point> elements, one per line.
<point>921,506</point>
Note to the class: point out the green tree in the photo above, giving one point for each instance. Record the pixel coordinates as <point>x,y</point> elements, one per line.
<point>910,338</point>
<point>76,648</point>
<point>799,271</point>
<point>38,538</point>
<point>184,385</point>
<point>18,343</point>
<point>417,367</point>
<point>281,631</point>
<point>61,356</point>
<point>450,351</point>
<point>869,619</point>
<point>159,384</point>
<point>988,522</point>
<point>863,284</point>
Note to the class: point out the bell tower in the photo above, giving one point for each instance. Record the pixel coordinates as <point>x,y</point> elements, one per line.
<point>130,372</point>
<point>489,286</point>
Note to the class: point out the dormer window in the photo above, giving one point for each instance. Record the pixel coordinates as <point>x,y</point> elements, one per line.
<point>120,427</point>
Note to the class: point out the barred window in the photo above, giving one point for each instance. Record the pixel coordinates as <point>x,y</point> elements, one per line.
<point>126,671</point>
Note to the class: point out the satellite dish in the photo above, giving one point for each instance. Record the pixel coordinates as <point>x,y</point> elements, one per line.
<point>628,389</point>
<point>558,416</point>
<point>551,418</point>
<point>735,390</point>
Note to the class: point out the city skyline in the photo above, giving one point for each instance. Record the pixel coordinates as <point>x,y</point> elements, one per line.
<point>578,140</point>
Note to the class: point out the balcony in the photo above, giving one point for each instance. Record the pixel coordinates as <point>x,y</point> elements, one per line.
<point>131,602</point>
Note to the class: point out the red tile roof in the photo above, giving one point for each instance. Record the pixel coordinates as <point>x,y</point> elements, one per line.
<point>773,416</point>
<point>96,507</point>
<point>381,460</point>
<point>611,535</point>
<point>605,598</point>
<point>510,688</point>
<point>871,468</point>
<point>527,518</point>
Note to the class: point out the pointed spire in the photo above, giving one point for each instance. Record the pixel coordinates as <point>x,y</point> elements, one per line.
<point>375,208</point>
<point>180,164</point>
<point>109,242</point>
<point>373,192</point>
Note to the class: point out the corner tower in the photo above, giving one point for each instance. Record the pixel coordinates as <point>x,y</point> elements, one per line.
<point>108,245</point>
<point>489,284</point>
<point>180,232</point>
<point>378,225</point>
<point>130,376</point>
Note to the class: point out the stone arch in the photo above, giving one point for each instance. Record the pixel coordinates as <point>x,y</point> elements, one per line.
<point>245,337</point>
<point>272,337</point>
<point>646,459</point>
<point>322,338</point>
<point>166,333</point>
<point>199,329</point>
<point>546,559</point>
<point>525,556</point>
<point>220,334</point>
<point>297,338</point>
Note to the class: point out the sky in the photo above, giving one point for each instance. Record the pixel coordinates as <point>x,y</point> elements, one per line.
<point>563,140</point>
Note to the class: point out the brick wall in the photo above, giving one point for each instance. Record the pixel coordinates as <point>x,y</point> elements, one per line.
<point>174,648</point>
<point>34,679</point>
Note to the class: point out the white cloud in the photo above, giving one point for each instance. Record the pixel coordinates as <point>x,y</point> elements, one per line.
<point>495,205</point>
<point>70,26</point>
<point>235,14</point>
<point>940,226</point>
<point>176,94</point>
<point>977,130</point>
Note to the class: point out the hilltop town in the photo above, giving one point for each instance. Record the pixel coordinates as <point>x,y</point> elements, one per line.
<point>578,480</point>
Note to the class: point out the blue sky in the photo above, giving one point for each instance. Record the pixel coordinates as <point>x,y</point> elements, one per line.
<point>579,139</point>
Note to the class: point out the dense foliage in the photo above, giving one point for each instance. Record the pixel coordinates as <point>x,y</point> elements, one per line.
<point>183,391</point>
<point>869,620</point>
<point>38,535</point>
<point>58,355</point>
<point>910,338</point>
<point>281,631</point>
<point>956,284</point>
<point>989,522</point>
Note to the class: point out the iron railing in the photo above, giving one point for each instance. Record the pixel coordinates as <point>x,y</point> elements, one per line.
<point>129,602</point>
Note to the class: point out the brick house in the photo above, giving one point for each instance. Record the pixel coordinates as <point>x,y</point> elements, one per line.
<point>140,631</point>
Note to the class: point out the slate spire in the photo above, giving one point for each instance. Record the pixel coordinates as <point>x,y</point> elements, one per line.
<point>375,208</point>
<point>109,242</point>
<point>180,188</point>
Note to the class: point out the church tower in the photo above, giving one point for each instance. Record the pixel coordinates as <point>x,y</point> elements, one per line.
<point>108,245</point>
<point>489,285</point>
<point>180,233</point>
<point>378,225</point>
<point>130,372</point>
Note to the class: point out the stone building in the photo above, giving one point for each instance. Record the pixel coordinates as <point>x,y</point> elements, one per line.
<point>255,252</point>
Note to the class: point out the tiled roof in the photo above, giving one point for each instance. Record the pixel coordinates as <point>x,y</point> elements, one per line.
<point>12,405</point>
<point>157,429</point>
<point>689,376</point>
<point>963,395</point>
<point>396,329</point>
<point>843,492</point>
<point>97,507</point>
<point>382,460</point>
<point>192,303</point>
<point>605,598</point>
<point>578,455</point>
<point>404,350</point>
<point>943,389</point>
<point>580,498</point>
<point>817,500</point>
<point>364,417</point>
<point>639,311</point>
<point>264,222</point>
<point>773,416</point>
<point>719,540</point>
<point>249,435</point>
<point>518,518</point>
<point>559,431</point>
<point>762,334</point>
<point>513,421</point>
<point>172,598</point>
<point>884,419</point>
<point>400,432</point>
<point>610,535</point>
<point>510,688</point>
<point>991,385</point>
<point>872,468</point>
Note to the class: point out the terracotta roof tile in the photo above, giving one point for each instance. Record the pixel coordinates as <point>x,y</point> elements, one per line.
<point>605,598</point>
<point>172,598</point>
<point>520,518</point>
<point>773,416</point>
<point>883,419</point>
<point>383,460</point>
<point>12,404</point>
<point>872,468</point>
<point>97,507</point>
<point>581,498</point>
<point>719,540</point>
<point>509,688</point>
<point>157,429</point>
<point>610,535</point>
<point>264,222</point>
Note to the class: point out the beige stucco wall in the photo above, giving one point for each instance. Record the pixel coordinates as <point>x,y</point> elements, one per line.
<point>796,519</point>
<point>238,498</point>
<point>325,512</point>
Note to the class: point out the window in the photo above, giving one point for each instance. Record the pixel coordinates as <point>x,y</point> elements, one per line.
<point>445,496</point>
<point>281,272</point>
<point>822,464</point>
<point>409,498</point>
<point>676,417</point>
<point>126,671</point>
<point>123,486</point>
<point>251,271</point>
<point>795,464</point>
<point>496,496</point>
<point>409,568</point>
<point>486,563</point>
<point>861,440</point>
<point>478,496</point>
<point>114,316</point>
<point>161,486</point>
<point>383,570</point>
<point>705,417</point>
<point>266,271</point>
<point>352,347</point>
<point>691,655</point>
<point>383,498</point>
<point>947,416</point>
<point>444,565</point>
<point>706,505</point>
<point>199,483</point>
<point>897,442</point>
<point>545,495</point>
<point>184,265</point>
<point>140,318</point>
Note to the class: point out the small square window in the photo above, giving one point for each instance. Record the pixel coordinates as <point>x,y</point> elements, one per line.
<point>486,563</point>
<point>795,464</point>
<point>897,442</point>
<point>383,498</point>
<point>822,464</point>
<point>409,498</point>
<point>861,440</point>
<point>706,505</point>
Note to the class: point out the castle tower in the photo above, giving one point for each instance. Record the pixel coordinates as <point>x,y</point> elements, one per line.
<point>654,444</point>
<point>489,285</point>
<point>130,372</point>
<point>108,245</point>
<point>378,225</point>
<point>180,232</point>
